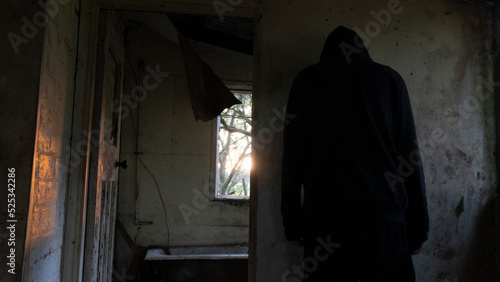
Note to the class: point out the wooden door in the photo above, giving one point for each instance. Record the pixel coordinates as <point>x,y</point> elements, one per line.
<point>104,152</point>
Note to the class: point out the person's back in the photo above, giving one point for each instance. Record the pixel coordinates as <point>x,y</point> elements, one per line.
<point>352,145</point>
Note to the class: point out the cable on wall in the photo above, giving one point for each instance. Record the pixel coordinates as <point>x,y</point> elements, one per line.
<point>139,153</point>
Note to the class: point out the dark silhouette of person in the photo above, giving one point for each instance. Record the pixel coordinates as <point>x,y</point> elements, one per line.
<point>353,191</point>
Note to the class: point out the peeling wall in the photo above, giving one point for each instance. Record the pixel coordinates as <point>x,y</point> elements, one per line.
<point>176,150</point>
<point>442,50</point>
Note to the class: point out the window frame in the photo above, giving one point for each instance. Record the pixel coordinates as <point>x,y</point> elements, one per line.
<point>242,88</point>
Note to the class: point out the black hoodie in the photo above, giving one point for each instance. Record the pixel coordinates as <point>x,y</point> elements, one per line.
<point>351,144</point>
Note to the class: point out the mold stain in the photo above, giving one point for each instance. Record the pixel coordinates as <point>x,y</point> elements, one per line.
<point>450,171</point>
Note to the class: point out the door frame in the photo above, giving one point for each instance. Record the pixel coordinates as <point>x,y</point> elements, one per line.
<point>78,179</point>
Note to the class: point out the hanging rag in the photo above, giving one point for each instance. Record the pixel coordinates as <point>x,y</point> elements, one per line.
<point>209,95</point>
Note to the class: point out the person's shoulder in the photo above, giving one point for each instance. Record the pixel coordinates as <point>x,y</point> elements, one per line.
<point>382,69</point>
<point>310,70</point>
<point>308,74</point>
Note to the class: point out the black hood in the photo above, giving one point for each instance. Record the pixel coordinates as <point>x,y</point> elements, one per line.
<point>343,44</point>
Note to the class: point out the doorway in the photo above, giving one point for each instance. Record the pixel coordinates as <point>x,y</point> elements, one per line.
<point>171,159</point>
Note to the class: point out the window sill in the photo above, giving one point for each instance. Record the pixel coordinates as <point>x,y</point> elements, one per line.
<point>232,198</point>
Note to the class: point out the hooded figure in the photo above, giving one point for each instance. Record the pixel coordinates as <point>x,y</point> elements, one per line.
<point>353,190</point>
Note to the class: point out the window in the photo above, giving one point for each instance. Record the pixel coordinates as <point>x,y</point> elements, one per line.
<point>233,147</point>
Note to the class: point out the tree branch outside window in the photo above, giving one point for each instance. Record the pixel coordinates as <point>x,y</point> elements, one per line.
<point>234,148</point>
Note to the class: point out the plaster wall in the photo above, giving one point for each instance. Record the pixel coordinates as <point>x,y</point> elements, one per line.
<point>19,88</point>
<point>442,50</point>
<point>44,239</point>
<point>177,150</point>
